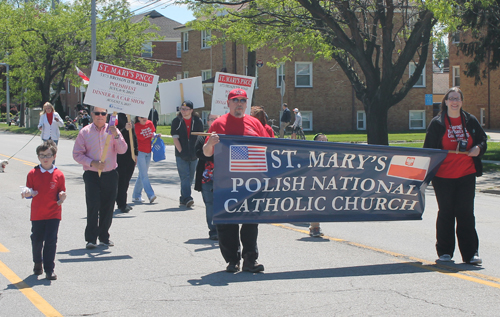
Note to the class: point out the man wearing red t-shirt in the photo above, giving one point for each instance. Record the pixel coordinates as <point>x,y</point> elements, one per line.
<point>236,123</point>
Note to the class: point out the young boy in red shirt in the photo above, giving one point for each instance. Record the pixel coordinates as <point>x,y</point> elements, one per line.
<point>46,185</point>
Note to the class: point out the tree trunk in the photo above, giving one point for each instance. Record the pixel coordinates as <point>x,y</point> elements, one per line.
<point>376,124</point>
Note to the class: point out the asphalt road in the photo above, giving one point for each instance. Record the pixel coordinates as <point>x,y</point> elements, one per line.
<point>164,265</point>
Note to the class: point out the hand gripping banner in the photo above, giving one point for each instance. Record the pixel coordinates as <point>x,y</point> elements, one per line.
<point>267,180</point>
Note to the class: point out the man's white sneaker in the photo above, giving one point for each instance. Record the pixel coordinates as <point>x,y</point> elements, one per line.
<point>476,260</point>
<point>152,199</point>
<point>138,200</point>
<point>445,258</point>
<point>190,203</point>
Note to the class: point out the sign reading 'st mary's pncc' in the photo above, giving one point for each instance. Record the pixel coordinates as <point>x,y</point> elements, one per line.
<point>266,180</point>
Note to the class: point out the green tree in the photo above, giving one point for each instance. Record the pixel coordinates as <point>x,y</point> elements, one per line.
<point>45,44</point>
<point>372,41</point>
<point>440,53</point>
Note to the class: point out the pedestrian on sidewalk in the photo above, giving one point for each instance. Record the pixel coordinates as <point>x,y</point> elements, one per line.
<point>46,186</point>
<point>49,123</point>
<point>100,190</point>
<point>453,129</point>
<point>236,123</point>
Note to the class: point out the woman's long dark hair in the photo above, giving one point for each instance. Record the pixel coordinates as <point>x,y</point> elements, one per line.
<point>444,108</point>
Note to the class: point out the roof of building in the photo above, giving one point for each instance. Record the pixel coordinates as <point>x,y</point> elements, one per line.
<point>440,83</point>
<point>166,26</point>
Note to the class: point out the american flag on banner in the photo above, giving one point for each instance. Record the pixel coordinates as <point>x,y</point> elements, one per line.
<point>247,158</point>
<point>409,167</point>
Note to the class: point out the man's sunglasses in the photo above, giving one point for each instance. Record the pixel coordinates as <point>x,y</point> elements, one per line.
<point>97,113</point>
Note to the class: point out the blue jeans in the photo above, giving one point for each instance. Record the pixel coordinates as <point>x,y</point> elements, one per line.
<point>44,241</point>
<point>186,171</point>
<point>55,141</point>
<point>143,160</point>
<point>207,191</point>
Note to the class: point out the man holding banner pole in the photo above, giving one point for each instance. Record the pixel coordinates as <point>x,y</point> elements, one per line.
<point>100,191</point>
<point>236,123</point>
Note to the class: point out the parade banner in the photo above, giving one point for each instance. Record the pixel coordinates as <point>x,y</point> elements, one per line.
<point>224,83</point>
<point>268,180</point>
<point>173,94</point>
<point>121,89</point>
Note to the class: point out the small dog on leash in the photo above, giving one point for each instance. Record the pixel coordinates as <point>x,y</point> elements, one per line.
<point>2,165</point>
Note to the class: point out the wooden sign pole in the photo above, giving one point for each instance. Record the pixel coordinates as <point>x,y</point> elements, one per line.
<point>132,152</point>
<point>105,151</point>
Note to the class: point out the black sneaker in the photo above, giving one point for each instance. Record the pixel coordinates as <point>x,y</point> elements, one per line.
<point>51,276</point>
<point>250,263</point>
<point>38,269</point>
<point>233,267</point>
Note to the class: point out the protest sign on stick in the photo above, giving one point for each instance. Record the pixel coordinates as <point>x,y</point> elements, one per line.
<point>121,89</point>
<point>173,94</point>
<point>224,83</point>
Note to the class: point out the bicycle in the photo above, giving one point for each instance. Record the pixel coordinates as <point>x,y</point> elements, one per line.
<point>276,129</point>
<point>300,134</point>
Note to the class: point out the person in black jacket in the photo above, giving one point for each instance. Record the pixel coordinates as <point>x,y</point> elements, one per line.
<point>185,155</point>
<point>126,165</point>
<point>153,116</point>
<point>459,132</point>
<point>203,181</point>
<point>286,118</point>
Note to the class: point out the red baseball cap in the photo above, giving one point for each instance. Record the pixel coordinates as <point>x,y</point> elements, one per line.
<point>237,92</point>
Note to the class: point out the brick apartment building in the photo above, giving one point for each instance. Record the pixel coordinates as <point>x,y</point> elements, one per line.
<point>319,89</point>
<point>483,100</point>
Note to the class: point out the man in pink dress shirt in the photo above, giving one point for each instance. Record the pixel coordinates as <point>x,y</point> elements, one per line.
<point>100,192</point>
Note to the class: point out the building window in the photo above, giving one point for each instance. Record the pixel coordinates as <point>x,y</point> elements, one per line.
<point>205,38</point>
<point>147,50</point>
<point>280,75</point>
<point>185,41</point>
<point>417,119</point>
<point>455,38</point>
<point>178,76</point>
<point>421,80</point>
<point>361,120</point>
<point>482,116</point>
<point>179,49</point>
<point>186,74</point>
<point>456,76</point>
<point>303,74</point>
<point>307,120</point>
<point>206,74</point>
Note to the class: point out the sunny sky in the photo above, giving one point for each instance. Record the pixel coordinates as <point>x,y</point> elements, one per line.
<point>177,13</point>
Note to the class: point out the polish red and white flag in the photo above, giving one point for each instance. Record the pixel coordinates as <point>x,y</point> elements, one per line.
<point>409,167</point>
<point>83,76</point>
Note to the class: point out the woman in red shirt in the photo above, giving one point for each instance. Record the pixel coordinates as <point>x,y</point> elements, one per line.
<point>145,131</point>
<point>453,129</point>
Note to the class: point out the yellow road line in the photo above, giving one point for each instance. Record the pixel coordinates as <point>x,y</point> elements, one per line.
<point>23,161</point>
<point>431,266</point>
<point>3,249</point>
<point>37,300</point>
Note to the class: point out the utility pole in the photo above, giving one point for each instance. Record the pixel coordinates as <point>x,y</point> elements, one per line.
<point>8,92</point>
<point>93,30</point>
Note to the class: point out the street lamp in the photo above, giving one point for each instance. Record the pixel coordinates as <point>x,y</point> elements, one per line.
<point>8,92</point>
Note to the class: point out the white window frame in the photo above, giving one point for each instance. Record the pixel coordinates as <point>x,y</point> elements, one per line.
<point>482,116</point>
<point>206,74</point>
<point>362,121</point>
<point>455,37</point>
<point>206,36</point>
<point>456,75</point>
<point>280,74</point>
<point>307,116</point>
<point>185,41</point>
<point>256,77</point>
<point>412,67</point>
<point>147,50</point>
<point>422,112</point>
<point>178,76</point>
<point>186,74</point>
<point>310,74</point>
<point>179,49</point>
